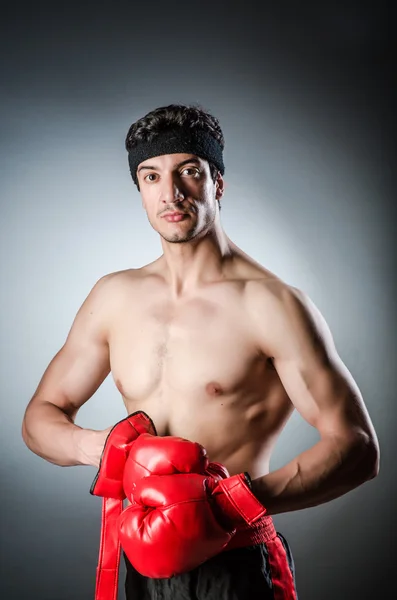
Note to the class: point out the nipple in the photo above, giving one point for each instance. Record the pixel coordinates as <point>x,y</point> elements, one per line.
<point>214,389</point>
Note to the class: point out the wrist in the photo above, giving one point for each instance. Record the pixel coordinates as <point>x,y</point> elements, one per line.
<point>238,499</point>
<point>89,446</point>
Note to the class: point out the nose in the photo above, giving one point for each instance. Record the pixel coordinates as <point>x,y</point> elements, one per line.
<point>171,191</point>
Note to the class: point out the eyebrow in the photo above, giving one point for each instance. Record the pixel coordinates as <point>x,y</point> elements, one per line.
<point>184,162</point>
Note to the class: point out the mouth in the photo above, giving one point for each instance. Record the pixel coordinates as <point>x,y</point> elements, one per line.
<point>174,217</point>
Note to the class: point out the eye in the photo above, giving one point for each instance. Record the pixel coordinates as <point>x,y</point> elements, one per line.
<point>191,172</point>
<point>151,177</point>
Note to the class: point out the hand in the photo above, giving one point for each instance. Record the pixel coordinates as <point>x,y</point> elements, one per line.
<point>170,528</point>
<point>90,445</point>
<point>116,444</point>
<point>173,470</point>
<point>167,455</point>
<point>178,521</point>
<point>234,501</point>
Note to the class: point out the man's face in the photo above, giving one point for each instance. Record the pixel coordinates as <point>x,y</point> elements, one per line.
<point>179,195</point>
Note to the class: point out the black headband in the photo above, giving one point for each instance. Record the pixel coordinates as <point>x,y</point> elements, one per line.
<point>175,141</point>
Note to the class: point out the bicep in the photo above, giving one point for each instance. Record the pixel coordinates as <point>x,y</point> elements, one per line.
<point>324,393</point>
<point>314,376</point>
<point>82,364</point>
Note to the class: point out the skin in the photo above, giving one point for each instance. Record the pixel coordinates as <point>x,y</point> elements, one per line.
<point>215,348</point>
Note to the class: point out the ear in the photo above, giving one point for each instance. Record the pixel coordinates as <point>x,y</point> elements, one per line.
<point>219,186</point>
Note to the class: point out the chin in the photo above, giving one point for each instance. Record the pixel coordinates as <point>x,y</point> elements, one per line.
<point>177,238</point>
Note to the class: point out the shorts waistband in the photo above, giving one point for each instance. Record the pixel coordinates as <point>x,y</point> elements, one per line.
<point>261,531</point>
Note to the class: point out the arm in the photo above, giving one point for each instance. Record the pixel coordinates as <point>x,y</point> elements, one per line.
<point>324,392</point>
<point>71,378</point>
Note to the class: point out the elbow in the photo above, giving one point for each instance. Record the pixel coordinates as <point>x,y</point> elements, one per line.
<point>23,429</point>
<point>373,460</point>
<point>26,430</point>
<point>25,434</point>
<point>369,458</point>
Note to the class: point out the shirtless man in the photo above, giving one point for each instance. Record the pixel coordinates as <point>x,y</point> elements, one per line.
<point>215,349</point>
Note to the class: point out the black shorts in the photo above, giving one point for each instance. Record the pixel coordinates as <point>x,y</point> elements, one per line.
<point>262,572</point>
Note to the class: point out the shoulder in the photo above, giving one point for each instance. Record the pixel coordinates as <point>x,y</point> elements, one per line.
<point>111,286</point>
<point>281,311</point>
<point>259,283</point>
<point>108,281</point>
<point>265,293</point>
<point>119,286</point>
<point>269,291</point>
<point>118,279</point>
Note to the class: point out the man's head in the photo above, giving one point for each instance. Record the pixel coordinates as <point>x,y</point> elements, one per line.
<point>175,158</point>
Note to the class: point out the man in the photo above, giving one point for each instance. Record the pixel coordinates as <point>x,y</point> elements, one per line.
<point>217,350</point>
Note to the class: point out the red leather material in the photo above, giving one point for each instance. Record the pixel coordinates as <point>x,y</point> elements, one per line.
<point>217,471</point>
<point>108,482</point>
<point>165,478</point>
<point>162,456</point>
<point>263,530</point>
<point>107,572</point>
<point>178,521</point>
<point>184,509</point>
<point>171,528</point>
<point>236,501</point>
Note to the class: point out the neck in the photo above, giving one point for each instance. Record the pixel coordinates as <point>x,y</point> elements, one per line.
<point>188,265</point>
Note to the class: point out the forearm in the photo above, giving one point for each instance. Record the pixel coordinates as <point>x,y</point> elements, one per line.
<point>326,471</point>
<point>51,434</point>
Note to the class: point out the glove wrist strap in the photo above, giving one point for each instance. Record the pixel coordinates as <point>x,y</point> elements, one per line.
<point>107,574</point>
<point>238,492</point>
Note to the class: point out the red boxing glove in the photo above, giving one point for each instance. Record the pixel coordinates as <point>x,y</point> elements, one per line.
<point>108,483</point>
<point>234,501</point>
<point>171,527</point>
<point>179,521</point>
<point>166,455</point>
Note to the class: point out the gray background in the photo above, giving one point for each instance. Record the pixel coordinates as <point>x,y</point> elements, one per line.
<point>305,100</point>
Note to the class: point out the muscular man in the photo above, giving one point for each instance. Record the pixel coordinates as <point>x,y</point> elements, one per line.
<point>215,349</point>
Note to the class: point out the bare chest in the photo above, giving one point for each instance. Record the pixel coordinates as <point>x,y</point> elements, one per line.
<point>200,348</point>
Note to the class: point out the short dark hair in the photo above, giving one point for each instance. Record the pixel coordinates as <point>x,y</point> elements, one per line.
<point>171,117</point>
